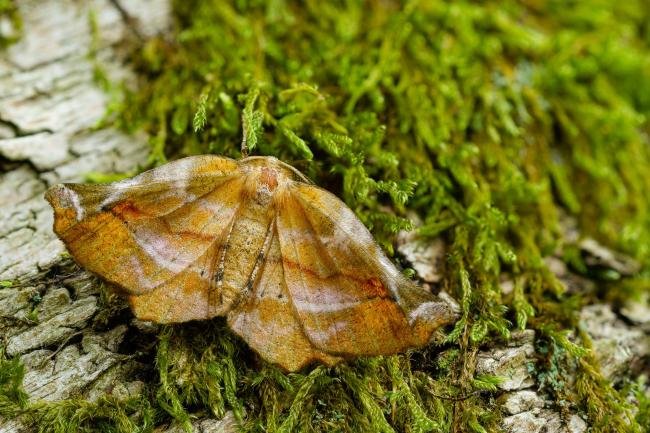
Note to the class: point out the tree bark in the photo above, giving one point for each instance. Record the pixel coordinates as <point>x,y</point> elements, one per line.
<point>49,109</point>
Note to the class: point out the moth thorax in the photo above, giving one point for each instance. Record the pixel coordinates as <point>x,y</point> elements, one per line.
<point>263,185</point>
<point>269,177</point>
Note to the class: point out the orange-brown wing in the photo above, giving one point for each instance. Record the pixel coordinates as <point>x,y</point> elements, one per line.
<point>349,298</point>
<point>265,318</point>
<point>157,236</point>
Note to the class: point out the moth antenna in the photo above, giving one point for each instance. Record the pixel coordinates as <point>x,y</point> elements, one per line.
<point>300,163</point>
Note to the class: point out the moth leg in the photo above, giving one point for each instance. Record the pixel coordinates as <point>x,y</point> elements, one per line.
<point>217,281</point>
<point>259,262</point>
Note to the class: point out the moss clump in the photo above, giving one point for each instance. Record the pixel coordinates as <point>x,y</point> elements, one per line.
<point>492,120</point>
<point>12,396</point>
<point>204,370</point>
<point>107,414</point>
<point>11,23</point>
<point>205,367</point>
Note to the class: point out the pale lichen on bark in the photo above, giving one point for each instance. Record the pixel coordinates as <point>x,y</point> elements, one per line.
<point>49,109</point>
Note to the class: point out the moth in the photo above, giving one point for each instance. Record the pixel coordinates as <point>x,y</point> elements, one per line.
<point>288,264</point>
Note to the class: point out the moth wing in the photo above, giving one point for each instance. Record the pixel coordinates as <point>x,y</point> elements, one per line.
<point>160,231</point>
<point>191,294</point>
<point>349,297</point>
<point>266,320</point>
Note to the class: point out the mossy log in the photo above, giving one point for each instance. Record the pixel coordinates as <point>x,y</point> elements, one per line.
<point>73,358</point>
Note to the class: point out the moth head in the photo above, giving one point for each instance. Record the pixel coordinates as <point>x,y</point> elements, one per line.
<point>284,170</point>
<point>261,184</point>
<point>266,178</point>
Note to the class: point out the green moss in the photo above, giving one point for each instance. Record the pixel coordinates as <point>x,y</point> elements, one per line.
<point>205,368</point>
<point>492,120</point>
<point>12,396</point>
<point>13,24</point>
<point>642,397</point>
<point>107,414</point>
